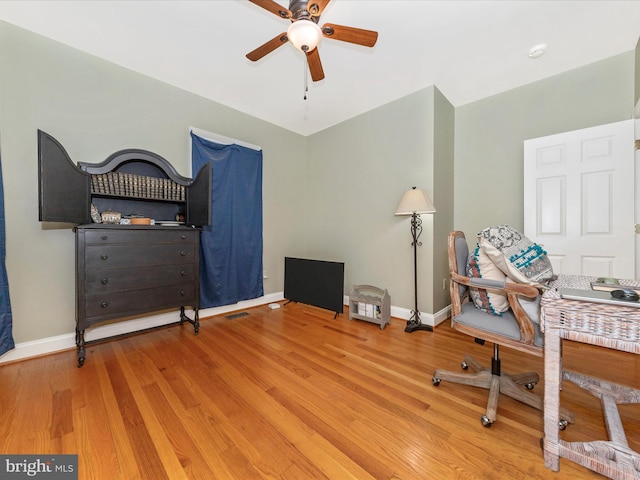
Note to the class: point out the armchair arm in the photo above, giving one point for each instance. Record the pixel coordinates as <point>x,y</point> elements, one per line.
<point>525,323</point>
<point>529,291</point>
<point>512,290</point>
<point>486,283</point>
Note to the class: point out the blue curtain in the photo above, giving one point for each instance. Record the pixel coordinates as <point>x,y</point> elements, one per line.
<point>6,337</point>
<point>231,248</point>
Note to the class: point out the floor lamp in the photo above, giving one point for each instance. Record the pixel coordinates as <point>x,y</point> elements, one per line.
<point>415,202</point>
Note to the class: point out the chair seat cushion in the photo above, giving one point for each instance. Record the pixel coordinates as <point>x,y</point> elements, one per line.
<point>505,325</point>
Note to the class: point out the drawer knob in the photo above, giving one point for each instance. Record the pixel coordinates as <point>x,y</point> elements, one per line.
<point>104,304</point>
<point>183,253</point>
<point>183,273</point>
<point>104,237</point>
<point>104,281</point>
<point>183,236</point>
<point>182,292</point>
<point>104,256</point>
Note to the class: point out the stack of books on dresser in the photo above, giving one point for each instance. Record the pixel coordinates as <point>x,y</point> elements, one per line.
<point>141,186</point>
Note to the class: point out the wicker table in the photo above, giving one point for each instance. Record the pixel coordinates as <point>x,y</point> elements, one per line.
<point>610,326</point>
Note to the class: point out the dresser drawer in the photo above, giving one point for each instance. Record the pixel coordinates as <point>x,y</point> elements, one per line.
<point>129,235</point>
<point>111,256</point>
<point>103,306</point>
<point>109,280</point>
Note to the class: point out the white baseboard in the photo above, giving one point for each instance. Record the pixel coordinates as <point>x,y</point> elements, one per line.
<point>433,319</point>
<point>38,347</point>
<point>67,341</point>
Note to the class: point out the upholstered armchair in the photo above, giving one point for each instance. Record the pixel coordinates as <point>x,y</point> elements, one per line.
<point>515,326</point>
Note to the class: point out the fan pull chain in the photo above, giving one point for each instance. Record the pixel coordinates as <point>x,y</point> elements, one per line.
<point>306,79</point>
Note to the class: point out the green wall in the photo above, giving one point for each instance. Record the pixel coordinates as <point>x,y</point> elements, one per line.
<point>95,108</point>
<point>443,187</point>
<point>636,97</point>
<point>489,135</point>
<point>358,171</point>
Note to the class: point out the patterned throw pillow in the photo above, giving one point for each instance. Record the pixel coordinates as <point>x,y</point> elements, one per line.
<point>520,259</point>
<point>480,265</point>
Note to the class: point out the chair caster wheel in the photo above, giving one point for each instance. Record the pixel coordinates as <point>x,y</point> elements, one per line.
<point>464,365</point>
<point>435,381</point>
<point>485,421</point>
<point>562,424</point>
<point>530,386</point>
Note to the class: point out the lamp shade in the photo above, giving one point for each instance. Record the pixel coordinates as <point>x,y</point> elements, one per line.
<point>415,201</point>
<point>304,34</point>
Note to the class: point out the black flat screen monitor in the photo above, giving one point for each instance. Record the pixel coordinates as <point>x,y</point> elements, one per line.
<point>314,282</point>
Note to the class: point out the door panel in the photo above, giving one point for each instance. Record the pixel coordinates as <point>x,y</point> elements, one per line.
<point>64,190</point>
<point>199,198</point>
<point>597,208</point>
<point>550,201</point>
<point>579,199</point>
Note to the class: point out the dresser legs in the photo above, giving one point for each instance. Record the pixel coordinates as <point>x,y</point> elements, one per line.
<point>195,322</point>
<point>80,346</point>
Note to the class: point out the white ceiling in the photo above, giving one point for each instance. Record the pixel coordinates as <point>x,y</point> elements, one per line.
<point>468,49</point>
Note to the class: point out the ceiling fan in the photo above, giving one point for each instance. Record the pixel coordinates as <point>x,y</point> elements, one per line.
<point>305,34</point>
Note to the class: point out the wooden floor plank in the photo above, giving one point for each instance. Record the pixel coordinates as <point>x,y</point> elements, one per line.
<point>110,439</point>
<point>139,435</point>
<point>292,394</point>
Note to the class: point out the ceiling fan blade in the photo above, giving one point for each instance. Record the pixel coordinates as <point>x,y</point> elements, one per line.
<point>315,65</point>
<point>273,7</point>
<point>316,7</point>
<point>268,47</point>
<point>359,36</point>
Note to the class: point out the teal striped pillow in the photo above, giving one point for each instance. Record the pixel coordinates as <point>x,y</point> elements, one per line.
<point>520,259</point>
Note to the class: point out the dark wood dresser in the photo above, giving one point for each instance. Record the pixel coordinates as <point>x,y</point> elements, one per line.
<point>129,270</point>
<point>124,270</point>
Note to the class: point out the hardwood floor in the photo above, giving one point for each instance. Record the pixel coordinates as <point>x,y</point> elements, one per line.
<point>291,394</point>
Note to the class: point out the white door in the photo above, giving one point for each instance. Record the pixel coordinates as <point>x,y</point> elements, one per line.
<point>579,199</point>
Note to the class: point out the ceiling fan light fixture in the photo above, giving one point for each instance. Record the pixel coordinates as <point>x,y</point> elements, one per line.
<point>304,34</point>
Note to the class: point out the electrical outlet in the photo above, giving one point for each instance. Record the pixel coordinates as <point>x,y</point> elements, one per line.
<point>264,274</point>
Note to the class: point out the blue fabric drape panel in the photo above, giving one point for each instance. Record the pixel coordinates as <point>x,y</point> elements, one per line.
<point>6,321</point>
<point>231,248</point>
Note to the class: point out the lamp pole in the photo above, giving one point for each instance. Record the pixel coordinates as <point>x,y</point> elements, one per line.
<point>414,202</point>
<point>414,322</point>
